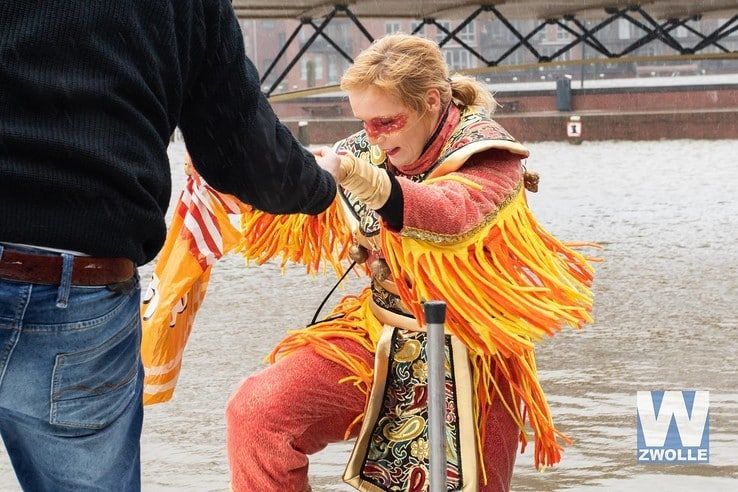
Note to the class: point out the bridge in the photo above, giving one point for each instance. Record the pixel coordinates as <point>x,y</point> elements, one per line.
<point>579,21</point>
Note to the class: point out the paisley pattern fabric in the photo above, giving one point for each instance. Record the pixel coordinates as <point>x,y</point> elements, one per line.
<point>387,300</point>
<point>398,451</point>
<point>359,146</point>
<point>473,127</point>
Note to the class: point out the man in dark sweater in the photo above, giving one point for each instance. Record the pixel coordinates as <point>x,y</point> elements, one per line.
<point>90,92</point>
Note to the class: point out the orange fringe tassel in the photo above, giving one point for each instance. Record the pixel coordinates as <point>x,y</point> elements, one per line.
<point>299,238</point>
<point>506,287</point>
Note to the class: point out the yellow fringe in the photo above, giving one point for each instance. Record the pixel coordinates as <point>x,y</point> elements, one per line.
<point>512,379</point>
<point>505,288</point>
<point>298,238</point>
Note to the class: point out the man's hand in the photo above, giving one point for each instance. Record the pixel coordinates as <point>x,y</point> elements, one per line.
<point>188,167</point>
<point>330,161</point>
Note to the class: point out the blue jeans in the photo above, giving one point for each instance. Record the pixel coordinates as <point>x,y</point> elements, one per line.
<point>70,384</point>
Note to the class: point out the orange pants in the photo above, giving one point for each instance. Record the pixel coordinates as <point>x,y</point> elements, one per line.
<point>296,407</point>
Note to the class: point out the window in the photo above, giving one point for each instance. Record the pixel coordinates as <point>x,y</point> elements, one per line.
<point>391,27</point>
<point>459,59</point>
<point>468,34</point>
<point>414,25</point>
<point>440,33</point>
<point>562,34</point>
<point>334,70</point>
<point>523,27</point>
<point>566,55</point>
<point>314,64</point>
<point>339,31</point>
<point>319,68</point>
<point>496,31</point>
<point>623,29</point>
<point>517,57</point>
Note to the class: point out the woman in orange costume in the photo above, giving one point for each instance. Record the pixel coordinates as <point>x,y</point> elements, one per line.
<point>434,204</point>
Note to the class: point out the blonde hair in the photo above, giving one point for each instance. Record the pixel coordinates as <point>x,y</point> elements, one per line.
<point>407,67</point>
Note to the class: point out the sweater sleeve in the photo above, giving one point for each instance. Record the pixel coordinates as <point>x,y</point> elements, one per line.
<point>458,202</point>
<point>392,211</point>
<point>236,141</point>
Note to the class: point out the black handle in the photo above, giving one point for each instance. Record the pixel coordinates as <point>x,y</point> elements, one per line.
<point>435,312</point>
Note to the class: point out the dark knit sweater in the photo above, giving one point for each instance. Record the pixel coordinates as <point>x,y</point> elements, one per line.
<point>90,92</point>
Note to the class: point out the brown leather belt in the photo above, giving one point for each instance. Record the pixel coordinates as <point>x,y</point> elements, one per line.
<point>47,269</point>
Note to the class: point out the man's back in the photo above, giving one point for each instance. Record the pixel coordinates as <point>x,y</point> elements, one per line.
<point>90,92</point>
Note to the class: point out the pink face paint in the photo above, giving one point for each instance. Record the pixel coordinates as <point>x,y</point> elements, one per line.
<point>377,127</point>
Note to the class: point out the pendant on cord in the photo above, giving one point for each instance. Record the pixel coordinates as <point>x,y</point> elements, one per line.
<point>380,270</point>
<point>358,253</point>
<point>530,181</point>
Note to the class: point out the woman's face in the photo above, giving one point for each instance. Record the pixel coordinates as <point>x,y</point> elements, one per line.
<point>399,131</point>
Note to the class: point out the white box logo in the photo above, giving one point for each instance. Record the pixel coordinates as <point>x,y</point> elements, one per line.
<point>673,427</point>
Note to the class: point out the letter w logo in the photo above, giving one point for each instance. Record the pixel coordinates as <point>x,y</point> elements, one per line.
<point>657,409</point>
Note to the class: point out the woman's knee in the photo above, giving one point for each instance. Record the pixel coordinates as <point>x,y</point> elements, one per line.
<point>248,407</point>
<point>265,400</point>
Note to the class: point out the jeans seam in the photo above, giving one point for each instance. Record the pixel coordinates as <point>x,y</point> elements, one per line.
<point>55,377</point>
<point>65,284</point>
<point>77,358</point>
<point>84,324</point>
<point>22,307</point>
<point>86,425</point>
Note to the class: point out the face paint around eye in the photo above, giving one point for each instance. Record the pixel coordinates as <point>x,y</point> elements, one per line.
<point>377,127</point>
